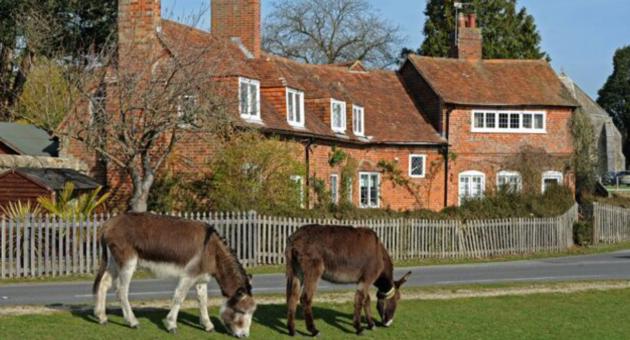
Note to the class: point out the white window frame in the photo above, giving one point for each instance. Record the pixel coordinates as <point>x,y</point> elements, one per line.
<point>506,173</point>
<point>358,129</point>
<point>299,180</point>
<point>424,165</point>
<point>342,128</point>
<point>334,188</point>
<point>250,116</point>
<point>552,174</point>
<point>297,117</point>
<point>369,198</point>
<point>471,173</point>
<point>497,129</point>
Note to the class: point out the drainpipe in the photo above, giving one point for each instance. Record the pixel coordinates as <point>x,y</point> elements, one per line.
<point>307,177</point>
<point>445,151</point>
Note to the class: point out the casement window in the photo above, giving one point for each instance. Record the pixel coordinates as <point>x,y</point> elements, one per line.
<point>551,178</point>
<point>508,121</point>
<point>97,105</point>
<point>417,166</point>
<point>472,185</point>
<point>186,108</point>
<point>295,108</point>
<point>370,186</point>
<point>509,180</point>
<point>249,98</point>
<point>358,120</point>
<point>334,188</point>
<point>338,116</point>
<point>299,185</point>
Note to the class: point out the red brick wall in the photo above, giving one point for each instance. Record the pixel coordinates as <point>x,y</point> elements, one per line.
<point>137,24</point>
<point>238,18</point>
<point>430,190</point>
<point>489,152</point>
<point>277,98</point>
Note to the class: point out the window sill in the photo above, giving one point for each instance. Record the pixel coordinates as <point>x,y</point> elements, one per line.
<point>252,119</point>
<point>537,132</point>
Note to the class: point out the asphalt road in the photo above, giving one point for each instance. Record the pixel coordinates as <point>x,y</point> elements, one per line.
<point>609,266</point>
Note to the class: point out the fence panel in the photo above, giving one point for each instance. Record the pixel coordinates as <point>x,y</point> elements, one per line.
<point>611,224</point>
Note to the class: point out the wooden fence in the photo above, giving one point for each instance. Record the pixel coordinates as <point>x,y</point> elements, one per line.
<point>610,224</point>
<point>53,247</point>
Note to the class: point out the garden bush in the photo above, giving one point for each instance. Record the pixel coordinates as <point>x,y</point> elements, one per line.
<point>583,233</point>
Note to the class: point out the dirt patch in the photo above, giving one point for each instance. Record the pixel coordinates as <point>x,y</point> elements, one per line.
<point>346,297</point>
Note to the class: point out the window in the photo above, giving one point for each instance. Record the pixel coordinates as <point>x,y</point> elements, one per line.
<point>338,116</point>
<point>295,107</point>
<point>508,121</point>
<point>551,178</point>
<point>472,185</point>
<point>510,181</point>
<point>417,164</point>
<point>249,97</point>
<point>358,122</point>
<point>299,184</point>
<point>97,105</point>
<point>370,189</point>
<point>334,189</point>
<point>186,109</point>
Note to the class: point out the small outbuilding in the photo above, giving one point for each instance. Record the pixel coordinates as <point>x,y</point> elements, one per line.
<point>29,140</point>
<point>27,184</point>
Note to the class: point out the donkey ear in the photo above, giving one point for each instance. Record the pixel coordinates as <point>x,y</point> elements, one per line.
<point>402,280</point>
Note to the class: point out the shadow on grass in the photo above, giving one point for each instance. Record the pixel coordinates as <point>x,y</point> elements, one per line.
<point>274,318</point>
<point>153,315</point>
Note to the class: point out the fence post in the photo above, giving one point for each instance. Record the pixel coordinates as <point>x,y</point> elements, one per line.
<point>253,238</point>
<point>596,213</point>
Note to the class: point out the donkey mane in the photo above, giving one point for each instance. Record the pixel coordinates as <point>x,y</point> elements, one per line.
<point>238,268</point>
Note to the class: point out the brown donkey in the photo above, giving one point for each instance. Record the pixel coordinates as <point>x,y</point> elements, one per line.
<point>340,255</point>
<point>192,251</point>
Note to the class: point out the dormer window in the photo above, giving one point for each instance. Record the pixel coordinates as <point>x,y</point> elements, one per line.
<point>295,107</point>
<point>358,122</point>
<point>249,97</point>
<point>338,116</point>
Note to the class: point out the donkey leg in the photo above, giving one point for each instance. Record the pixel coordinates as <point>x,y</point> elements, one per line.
<point>183,286</point>
<point>101,296</point>
<point>368,311</point>
<point>124,279</point>
<point>359,300</point>
<point>293,298</point>
<point>202,296</point>
<point>310,287</point>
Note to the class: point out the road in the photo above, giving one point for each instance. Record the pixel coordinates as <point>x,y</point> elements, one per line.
<point>609,266</point>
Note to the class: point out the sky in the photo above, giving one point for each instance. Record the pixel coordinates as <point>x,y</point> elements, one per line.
<point>581,36</point>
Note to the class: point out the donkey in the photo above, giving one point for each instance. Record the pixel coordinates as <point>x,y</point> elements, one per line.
<point>192,251</point>
<point>340,255</point>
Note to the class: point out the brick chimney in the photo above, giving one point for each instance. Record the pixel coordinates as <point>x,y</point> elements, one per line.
<point>238,19</point>
<point>468,42</point>
<point>138,23</point>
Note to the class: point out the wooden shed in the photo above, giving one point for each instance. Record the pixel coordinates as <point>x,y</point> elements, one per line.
<point>27,184</point>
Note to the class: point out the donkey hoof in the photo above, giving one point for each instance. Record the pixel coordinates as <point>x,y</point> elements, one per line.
<point>209,329</point>
<point>360,332</point>
<point>134,326</point>
<point>315,334</point>
<point>102,322</point>
<point>370,327</point>
<point>173,330</point>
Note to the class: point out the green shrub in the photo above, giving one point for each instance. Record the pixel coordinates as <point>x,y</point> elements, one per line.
<point>583,233</point>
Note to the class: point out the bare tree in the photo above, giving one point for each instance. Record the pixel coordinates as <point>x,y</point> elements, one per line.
<point>160,96</point>
<point>331,32</point>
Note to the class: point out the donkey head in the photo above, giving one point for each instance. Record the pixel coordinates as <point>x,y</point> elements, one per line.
<point>388,301</point>
<point>238,311</point>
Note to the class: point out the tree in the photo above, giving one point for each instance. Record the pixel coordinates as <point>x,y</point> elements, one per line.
<point>153,101</point>
<point>330,32</point>
<point>69,30</point>
<point>614,96</point>
<point>507,33</point>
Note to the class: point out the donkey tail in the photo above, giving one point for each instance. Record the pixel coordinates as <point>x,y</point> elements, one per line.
<point>293,280</point>
<point>102,267</point>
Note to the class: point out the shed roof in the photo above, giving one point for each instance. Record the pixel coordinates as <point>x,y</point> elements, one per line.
<point>28,140</point>
<point>55,179</point>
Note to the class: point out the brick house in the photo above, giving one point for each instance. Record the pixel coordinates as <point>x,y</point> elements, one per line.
<point>412,119</point>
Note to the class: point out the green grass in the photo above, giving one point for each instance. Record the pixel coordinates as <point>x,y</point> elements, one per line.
<point>586,315</point>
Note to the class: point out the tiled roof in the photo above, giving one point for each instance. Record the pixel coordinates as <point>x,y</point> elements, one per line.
<point>493,82</point>
<point>587,104</point>
<point>390,113</point>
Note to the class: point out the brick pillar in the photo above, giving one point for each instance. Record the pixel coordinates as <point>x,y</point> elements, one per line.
<point>469,40</point>
<point>238,19</point>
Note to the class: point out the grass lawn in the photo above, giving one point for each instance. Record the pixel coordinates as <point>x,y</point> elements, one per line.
<point>584,315</point>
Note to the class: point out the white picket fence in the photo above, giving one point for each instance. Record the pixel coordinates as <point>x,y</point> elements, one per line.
<point>52,247</point>
<point>610,224</point>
